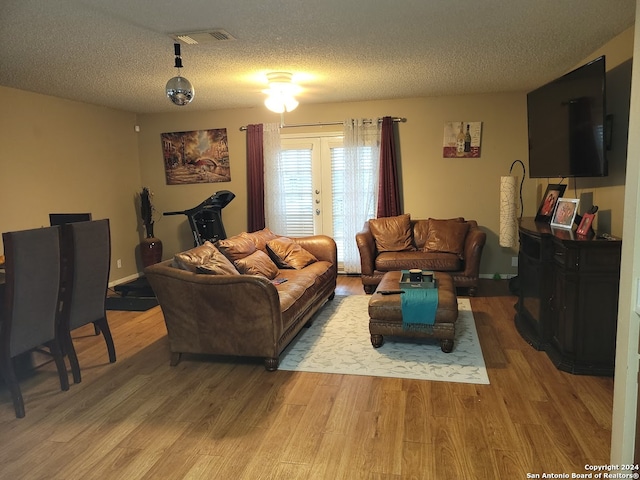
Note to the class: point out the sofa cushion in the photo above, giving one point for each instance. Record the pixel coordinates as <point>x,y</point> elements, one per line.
<point>260,238</point>
<point>217,265</point>
<point>392,234</point>
<point>258,263</point>
<point>288,254</point>
<point>190,259</point>
<point>236,247</point>
<point>205,258</point>
<point>441,262</point>
<point>447,236</point>
<point>421,231</point>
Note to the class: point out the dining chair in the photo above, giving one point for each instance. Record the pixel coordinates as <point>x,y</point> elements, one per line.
<point>30,303</point>
<point>86,250</point>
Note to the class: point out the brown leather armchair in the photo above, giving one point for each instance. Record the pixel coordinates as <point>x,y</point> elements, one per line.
<point>400,243</point>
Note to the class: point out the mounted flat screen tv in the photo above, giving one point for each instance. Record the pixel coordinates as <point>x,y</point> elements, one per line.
<point>566,120</point>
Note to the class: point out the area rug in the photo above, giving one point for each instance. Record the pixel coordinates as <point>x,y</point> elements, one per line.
<point>338,341</point>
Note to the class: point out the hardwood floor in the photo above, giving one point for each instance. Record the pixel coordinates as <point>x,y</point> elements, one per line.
<point>212,418</point>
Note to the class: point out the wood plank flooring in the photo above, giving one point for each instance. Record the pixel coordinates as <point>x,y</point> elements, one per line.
<point>213,418</point>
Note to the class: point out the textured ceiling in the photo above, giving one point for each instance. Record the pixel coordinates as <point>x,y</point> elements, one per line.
<point>119,53</point>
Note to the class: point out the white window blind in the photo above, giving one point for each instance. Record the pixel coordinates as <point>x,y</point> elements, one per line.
<point>298,194</point>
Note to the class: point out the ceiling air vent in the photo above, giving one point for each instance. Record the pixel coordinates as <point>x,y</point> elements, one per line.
<point>198,38</point>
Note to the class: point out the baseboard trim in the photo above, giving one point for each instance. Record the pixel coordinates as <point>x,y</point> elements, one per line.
<point>120,281</point>
<point>503,276</point>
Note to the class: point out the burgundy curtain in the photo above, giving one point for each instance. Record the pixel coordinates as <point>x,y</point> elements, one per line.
<point>255,179</point>
<point>388,189</point>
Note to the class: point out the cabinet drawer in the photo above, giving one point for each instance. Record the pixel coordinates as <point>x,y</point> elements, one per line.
<point>586,260</point>
<point>564,257</point>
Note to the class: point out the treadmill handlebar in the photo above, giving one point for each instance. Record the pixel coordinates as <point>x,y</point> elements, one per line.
<point>219,199</point>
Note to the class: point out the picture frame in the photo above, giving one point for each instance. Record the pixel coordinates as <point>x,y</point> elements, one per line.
<point>462,139</point>
<point>586,224</point>
<point>548,204</point>
<point>565,212</point>
<point>197,156</point>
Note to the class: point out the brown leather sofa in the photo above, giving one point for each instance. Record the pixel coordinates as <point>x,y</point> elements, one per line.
<point>242,313</point>
<point>400,243</point>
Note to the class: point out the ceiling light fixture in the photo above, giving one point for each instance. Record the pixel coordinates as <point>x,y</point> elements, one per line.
<point>281,92</point>
<point>179,89</point>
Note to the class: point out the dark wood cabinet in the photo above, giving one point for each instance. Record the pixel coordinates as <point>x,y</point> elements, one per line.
<point>568,296</point>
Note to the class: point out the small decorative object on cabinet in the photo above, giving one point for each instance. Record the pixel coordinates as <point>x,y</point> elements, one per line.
<point>150,246</point>
<point>568,298</point>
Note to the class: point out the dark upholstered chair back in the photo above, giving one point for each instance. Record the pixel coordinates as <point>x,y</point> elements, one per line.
<point>89,248</point>
<point>86,248</point>
<point>31,303</point>
<point>32,286</point>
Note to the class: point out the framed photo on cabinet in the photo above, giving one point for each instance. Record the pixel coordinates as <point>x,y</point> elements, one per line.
<point>551,195</point>
<point>586,224</point>
<point>565,212</point>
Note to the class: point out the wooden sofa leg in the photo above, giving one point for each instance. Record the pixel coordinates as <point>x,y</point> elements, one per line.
<point>446,345</point>
<point>369,289</point>
<point>175,358</point>
<point>473,291</point>
<point>271,364</point>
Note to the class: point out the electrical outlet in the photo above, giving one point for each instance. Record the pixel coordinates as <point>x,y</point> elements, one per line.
<point>514,261</point>
<point>119,263</point>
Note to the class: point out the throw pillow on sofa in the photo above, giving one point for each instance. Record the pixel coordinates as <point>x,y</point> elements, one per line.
<point>392,234</point>
<point>236,247</point>
<point>258,263</point>
<point>260,238</point>
<point>288,254</point>
<point>205,258</point>
<point>446,236</point>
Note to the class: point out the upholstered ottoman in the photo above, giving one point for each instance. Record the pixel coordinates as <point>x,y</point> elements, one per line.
<point>385,313</point>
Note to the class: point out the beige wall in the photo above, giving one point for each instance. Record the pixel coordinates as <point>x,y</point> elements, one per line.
<point>432,186</point>
<point>63,156</point>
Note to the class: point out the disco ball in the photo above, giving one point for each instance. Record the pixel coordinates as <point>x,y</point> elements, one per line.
<point>180,91</point>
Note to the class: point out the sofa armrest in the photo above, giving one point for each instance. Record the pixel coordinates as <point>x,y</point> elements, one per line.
<point>367,247</point>
<point>233,314</point>
<point>322,247</point>
<point>474,243</point>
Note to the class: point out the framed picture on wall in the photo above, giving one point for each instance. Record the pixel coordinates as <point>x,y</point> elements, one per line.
<point>462,139</point>
<point>198,156</point>
<point>550,198</point>
<point>565,212</point>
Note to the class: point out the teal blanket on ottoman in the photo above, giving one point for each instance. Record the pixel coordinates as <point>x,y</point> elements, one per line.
<point>419,307</point>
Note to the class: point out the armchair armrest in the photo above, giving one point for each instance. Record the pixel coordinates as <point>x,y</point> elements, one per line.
<point>474,243</point>
<point>367,247</point>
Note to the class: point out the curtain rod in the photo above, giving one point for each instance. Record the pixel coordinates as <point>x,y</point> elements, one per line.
<point>322,124</point>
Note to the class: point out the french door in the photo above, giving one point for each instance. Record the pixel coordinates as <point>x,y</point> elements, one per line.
<point>313,169</point>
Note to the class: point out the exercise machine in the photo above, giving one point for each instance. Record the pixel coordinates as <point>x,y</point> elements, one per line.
<point>205,219</point>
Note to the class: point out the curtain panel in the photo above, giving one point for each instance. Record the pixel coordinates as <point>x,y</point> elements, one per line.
<point>274,198</point>
<point>255,178</point>
<point>361,156</point>
<point>388,190</point>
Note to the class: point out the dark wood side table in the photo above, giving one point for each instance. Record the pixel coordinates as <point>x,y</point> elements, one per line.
<point>568,296</point>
